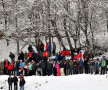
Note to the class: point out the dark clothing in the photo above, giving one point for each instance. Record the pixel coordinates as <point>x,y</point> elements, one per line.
<point>15,80</point>
<point>35,57</point>
<point>75,70</point>
<point>61,65</point>
<point>22,82</point>
<point>10,86</point>
<point>21,56</point>
<point>59,57</point>
<point>44,67</point>
<point>49,68</point>
<point>86,66</point>
<point>30,48</point>
<point>12,56</point>
<point>10,80</point>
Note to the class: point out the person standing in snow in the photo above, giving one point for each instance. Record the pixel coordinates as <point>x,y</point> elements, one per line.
<point>15,81</point>
<point>61,68</point>
<point>22,83</point>
<point>86,66</point>
<point>91,63</point>
<point>1,68</point>
<point>49,49</point>
<point>97,66</point>
<point>21,66</point>
<point>103,65</point>
<point>81,63</point>
<point>58,69</point>
<point>10,80</point>
<point>54,48</point>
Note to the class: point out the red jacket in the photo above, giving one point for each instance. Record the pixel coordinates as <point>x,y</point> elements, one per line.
<point>10,67</point>
<point>67,52</point>
<point>75,57</point>
<point>63,53</point>
<point>6,65</point>
<point>21,68</point>
<point>80,55</point>
<point>30,54</point>
<point>45,54</point>
<point>47,47</point>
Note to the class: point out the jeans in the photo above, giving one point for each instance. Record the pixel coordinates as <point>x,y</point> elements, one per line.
<point>75,70</point>
<point>71,71</point>
<point>80,70</point>
<point>17,72</point>
<point>22,87</point>
<point>91,69</point>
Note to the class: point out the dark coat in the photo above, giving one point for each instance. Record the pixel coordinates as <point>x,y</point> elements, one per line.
<point>67,65</point>
<point>85,63</point>
<point>15,80</point>
<point>22,82</point>
<point>30,48</point>
<point>10,80</point>
<point>61,65</point>
<point>12,56</point>
<point>49,66</point>
<point>34,66</point>
<point>17,65</point>
<point>43,64</point>
<point>35,57</point>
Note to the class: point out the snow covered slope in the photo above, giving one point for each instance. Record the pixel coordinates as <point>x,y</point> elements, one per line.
<point>74,82</point>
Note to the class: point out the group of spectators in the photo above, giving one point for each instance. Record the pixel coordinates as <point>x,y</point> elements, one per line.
<point>66,62</point>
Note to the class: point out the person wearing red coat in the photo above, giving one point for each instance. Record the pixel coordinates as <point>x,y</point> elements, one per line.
<point>30,56</point>
<point>63,53</point>
<point>67,52</point>
<point>79,55</point>
<point>9,69</point>
<point>45,54</point>
<point>46,46</point>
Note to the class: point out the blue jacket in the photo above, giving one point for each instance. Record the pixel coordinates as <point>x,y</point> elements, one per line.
<point>56,57</point>
<point>21,64</point>
<point>49,47</point>
<point>81,63</point>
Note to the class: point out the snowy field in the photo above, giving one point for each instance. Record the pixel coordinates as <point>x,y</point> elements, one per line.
<point>74,82</point>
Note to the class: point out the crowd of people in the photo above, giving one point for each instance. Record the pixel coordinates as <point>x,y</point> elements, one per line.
<point>66,62</point>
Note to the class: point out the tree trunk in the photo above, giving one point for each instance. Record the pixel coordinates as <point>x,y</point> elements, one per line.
<point>57,33</point>
<point>67,35</point>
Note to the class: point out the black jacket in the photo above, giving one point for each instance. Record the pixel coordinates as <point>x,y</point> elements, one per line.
<point>15,80</point>
<point>10,80</point>
<point>22,82</point>
<point>49,66</point>
<point>62,65</point>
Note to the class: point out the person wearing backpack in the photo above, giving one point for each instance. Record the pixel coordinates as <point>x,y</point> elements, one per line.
<point>103,65</point>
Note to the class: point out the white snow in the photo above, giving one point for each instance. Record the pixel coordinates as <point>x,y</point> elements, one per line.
<point>72,82</point>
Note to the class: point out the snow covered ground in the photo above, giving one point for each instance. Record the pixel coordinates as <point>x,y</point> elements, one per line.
<point>74,82</point>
